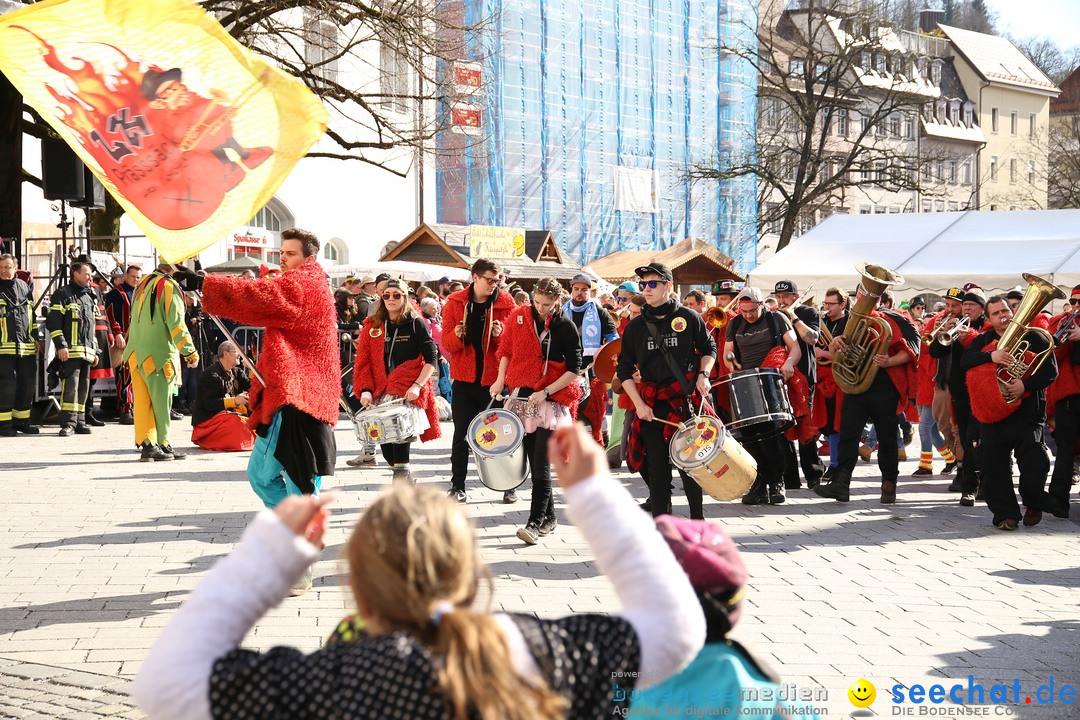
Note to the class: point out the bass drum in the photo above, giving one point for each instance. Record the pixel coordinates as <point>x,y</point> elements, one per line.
<point>759,404</point>
<point>495,436</point>
<point>704,449</point>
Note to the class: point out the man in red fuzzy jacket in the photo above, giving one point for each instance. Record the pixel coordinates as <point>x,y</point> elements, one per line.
<point>295,412</point>
<point>472,324</point>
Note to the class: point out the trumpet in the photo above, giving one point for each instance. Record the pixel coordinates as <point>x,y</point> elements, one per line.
<point>716,317</point>
<point>947,337</point>
<point>824,339</point>
<point>1066,326</point>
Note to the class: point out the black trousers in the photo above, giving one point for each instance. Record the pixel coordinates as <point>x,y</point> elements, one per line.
<point>879,407</point>
<point>658,473</point>
<point>74,389</point>
<point>469,400</point>
<point>808,458</point>
<point>968,427</point>
<point>1066,433</point>
<point>396,453</point>
<point>770,455</point>
<point>18,375</point>
<point>998,442</point>
<point>536,449</point>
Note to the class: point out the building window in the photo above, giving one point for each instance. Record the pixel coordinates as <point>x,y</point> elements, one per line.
<point>940,170</point>
<point>993,120</point>
<point>935,73</point>
<point>866,210</point>
<point>797,67</point>
<point>965,172</point>
<point>1012,170</point>
<point>968,116</point>
<point>841,123</point>
<point>939,205</point>
<point>1012,123</point>
<point>1031,172</point>
<point>330,253</point>
<point>894,125</point>
<point>321,47</point>
<point>1031,125</point>
<point>928,172</point>
<point>993,168</point>
<point>953,206</point>
<point>881,210</point>
<point>393,79</point>
<point>927,206</point>
<point>954,113</point>
<point>952,172</point>
<point>268,219</point>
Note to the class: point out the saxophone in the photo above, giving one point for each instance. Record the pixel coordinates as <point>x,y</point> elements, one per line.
<point>864,336</point>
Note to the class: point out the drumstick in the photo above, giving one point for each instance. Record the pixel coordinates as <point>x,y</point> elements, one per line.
<point>668,422</point>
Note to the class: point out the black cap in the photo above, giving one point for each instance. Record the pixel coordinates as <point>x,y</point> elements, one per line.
<point>917,300</point>
<point>654,268</point>
<point>382,276</point>
<point>443,280</point>
<point>785,286</point>
<point>954,294</point>
<point>1014,295</point>
<point>724,287</point>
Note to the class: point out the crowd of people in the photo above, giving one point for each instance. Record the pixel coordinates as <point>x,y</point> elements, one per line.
<point>455,349</point>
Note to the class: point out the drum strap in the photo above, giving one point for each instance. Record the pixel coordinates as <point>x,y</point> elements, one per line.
<point>680,375</point>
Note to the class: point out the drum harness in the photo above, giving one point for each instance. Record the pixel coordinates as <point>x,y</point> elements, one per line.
<point>680,375</point>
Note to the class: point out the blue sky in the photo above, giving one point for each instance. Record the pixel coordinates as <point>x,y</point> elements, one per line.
<point>1057,19</point>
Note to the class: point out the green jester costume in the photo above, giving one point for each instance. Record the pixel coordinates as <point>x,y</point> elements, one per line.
<point>158,340</point>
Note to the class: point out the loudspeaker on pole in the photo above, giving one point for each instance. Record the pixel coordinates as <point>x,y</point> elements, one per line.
<point>61,171</point>
<point>94,197</point>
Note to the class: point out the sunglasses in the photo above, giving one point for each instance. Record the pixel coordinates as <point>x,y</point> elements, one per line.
<point>1074,301</point>
<point>651,284</point>
<point>392,296</point>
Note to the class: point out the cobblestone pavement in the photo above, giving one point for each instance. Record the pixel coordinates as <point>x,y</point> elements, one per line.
<point>97,550</point>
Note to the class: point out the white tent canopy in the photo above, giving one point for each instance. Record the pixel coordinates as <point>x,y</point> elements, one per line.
<point>933,251</point>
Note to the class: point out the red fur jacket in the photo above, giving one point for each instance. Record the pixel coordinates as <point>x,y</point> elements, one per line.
<point>928,366</point>
<point>300,358</point>
<point>1068,379</point>
<point>522,346</point>
<point>463,358</point>
<point>369,373</point>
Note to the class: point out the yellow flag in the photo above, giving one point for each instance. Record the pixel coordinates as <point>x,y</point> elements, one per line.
<point>189,131</point>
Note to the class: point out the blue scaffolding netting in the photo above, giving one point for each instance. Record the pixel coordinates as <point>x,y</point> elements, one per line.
<point>593,116</point>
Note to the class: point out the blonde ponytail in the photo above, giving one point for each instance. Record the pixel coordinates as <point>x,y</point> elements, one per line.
<point>412,553</point>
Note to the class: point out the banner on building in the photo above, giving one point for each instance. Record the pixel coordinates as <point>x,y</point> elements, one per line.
<point>468,77</point>
<point>491,241</point>
<point>189,131</point>
<point>465,119</point>
<point>637,189</point>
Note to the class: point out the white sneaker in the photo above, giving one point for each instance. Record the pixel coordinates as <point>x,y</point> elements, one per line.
<point>303,584</point>
<point>364,458</point>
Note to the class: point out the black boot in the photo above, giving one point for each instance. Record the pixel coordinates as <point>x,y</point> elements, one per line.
<point>93,421</point>
<point>758,494</point>
<point>836,489</point>
<point>7,430</point>
<point>776,494</point>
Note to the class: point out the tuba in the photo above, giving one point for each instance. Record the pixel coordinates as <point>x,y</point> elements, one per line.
<point>1013,341</point>
<point>864,336</point>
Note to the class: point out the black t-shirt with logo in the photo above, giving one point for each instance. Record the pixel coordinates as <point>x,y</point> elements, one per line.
<point>682,332</point>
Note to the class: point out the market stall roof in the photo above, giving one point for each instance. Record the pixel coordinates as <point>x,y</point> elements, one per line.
<point>448,245</point>
<point>934,251</point>
<point>692,262</point>
<point>411,271</point>
<point>238,265</point>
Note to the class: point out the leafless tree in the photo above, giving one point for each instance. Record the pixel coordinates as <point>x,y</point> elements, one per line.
<point>827,124</point>
<point>1064,176</point>
<point>1053,60</point>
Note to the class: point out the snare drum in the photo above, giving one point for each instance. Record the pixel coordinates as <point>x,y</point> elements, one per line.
<point>495,436</point>
<point>759,404</point>
<point>385,424</point>
<point>705,451</point>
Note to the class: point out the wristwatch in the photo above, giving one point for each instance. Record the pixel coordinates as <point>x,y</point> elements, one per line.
<point>547,394</point>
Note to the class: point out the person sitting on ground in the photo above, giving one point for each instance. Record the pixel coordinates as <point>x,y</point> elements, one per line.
<point>219,418</point>
<point>427,649</point>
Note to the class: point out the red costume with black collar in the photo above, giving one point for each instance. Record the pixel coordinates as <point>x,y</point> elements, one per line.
<point>928,366</point>
<point>1068,379</point>
<point>904,377</point>
<point>300,356</point>
<point>463,357</point>
<point>369,373</point>
<point>526,369</point>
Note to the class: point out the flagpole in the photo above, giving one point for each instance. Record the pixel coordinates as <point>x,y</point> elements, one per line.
<point>240,351</point>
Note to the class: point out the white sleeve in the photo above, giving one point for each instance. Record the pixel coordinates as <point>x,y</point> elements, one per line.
<point>656,596</point>
<point>174,680</point>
